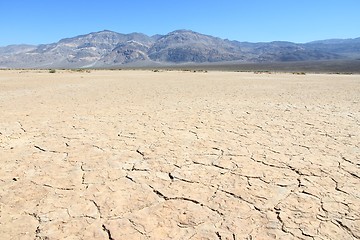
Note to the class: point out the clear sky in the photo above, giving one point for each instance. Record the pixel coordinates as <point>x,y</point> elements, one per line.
<point>47,21</point>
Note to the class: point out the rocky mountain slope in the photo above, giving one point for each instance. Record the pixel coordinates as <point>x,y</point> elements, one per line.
<point>111,49</point>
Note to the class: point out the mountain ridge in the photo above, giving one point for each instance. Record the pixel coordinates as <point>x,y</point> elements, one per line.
<point>107,48</point>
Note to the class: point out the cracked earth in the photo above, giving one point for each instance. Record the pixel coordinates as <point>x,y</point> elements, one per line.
<point>179,155</point>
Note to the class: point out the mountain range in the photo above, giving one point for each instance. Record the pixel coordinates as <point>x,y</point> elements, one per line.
<point>111,49</point>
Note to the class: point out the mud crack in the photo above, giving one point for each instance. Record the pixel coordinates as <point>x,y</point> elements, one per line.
<point>157,192</point>
<point>107,231</point>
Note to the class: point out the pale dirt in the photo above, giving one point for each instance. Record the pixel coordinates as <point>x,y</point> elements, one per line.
<point>179,155</point>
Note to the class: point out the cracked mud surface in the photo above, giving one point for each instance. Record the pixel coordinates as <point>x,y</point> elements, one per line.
<point>179,155</point>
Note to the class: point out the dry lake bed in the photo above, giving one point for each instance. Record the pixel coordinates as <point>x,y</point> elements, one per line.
<point>179,155</point>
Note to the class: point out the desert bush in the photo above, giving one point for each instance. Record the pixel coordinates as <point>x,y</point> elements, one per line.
<point>52,71</point>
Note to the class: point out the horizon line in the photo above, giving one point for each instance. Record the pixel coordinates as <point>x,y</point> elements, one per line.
<point>190,30</point>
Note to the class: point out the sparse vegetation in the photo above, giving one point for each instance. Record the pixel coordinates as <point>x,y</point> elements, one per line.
<point>343,73</point>
<point>81,70</point>
<point>52,71</point>
<point>262,71</point>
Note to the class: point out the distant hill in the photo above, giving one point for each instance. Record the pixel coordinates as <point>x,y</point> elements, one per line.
<point>111,49</point>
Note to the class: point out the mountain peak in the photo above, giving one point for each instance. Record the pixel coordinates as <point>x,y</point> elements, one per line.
<point>105,31</point>
<point>182,31</point>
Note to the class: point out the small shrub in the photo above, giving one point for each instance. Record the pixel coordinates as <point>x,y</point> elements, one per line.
<point>52,71</point>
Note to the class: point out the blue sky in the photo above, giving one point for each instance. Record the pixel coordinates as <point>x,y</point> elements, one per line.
<point>47,21</point>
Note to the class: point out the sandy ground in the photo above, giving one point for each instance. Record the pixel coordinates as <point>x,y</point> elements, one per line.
<point>179,155</point>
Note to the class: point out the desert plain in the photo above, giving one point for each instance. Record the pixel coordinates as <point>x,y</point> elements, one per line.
<point>179,155</point>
